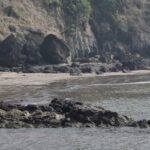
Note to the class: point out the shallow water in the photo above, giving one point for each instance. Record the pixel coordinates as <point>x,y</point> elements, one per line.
<point>75,139</point>
<point>128,95</point>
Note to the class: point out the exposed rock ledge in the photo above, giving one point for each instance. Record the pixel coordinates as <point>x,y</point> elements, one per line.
<point>62,113</point>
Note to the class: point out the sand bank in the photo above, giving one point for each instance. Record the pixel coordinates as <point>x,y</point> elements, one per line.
<point>14,79</point>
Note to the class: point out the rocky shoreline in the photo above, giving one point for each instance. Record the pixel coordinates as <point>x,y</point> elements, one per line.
<point>75,68</point>
<point>63,113</point>
<point>35,53</point>
<point>29,46</point>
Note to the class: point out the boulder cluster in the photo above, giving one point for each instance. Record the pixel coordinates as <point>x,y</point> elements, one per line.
<point>32,49</point>
<point>62,113</point>
<point>33,53</point>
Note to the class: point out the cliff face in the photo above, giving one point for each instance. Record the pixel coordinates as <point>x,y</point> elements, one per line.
<point>128,29</point>
<point>115,29</point>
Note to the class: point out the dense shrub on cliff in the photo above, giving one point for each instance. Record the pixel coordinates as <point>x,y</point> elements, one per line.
<point>108,9</point>
<point>77,12</point>
<point>49,2</point>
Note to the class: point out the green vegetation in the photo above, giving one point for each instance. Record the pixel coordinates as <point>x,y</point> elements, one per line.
<point>52,6</point>
<point>77,13</point>
<point>108,9</point>
<point>85,8</point>
<point>49,2</point>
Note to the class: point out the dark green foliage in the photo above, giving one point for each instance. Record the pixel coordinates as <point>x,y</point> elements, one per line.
<point>49,2</point>
<point>77,12</point>
<point>107,9</point>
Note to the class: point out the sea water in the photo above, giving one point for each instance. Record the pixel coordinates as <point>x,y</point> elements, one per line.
<point>127,95</point>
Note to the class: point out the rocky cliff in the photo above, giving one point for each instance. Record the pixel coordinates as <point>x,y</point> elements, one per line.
<point>44,31</point>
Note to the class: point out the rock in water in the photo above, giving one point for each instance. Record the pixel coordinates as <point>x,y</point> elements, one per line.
<point>63,113</point>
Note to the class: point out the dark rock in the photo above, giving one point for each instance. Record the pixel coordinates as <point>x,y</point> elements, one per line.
<point>98,72</point>
<point>140,124</point>
<point>32,69</point>
<point>75,64</point>
<point>114,69</point>
<point>31,108</point>
<point>12,28</point>
<point>77,112</point>
<point>125,71</point>
<point>61,69</point>
<point>7,106</point>
<point>16,69</point>
<point>75,71</point>
<point>54,50</point>
<point>63,113</point>
<point>17,50</point>
<point>96,69</point>
<point>46,108</point>
<point>10,11</point>
<point>86,69</point>
<point>10,51</point>
<point>132,64</point>
<point>103,69</point>
<point>63,105</point>
<point>49,69</point>
<point>4,69</point>
<point>31,48</point>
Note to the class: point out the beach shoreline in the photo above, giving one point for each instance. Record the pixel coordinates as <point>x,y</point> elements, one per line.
<point>23,79</point>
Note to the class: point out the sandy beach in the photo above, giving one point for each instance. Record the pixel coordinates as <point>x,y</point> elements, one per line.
<point>18,79</point>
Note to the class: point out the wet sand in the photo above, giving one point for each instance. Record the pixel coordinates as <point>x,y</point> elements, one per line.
<point>21,79</point>
<point>28,88</point>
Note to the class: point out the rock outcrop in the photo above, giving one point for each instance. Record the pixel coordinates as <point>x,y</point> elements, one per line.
<point>54,50</point>
<point>21,50</point>
<point>10,51</point>
<point>63,113</point>
<point>33,49</point>
<point>114,30</point>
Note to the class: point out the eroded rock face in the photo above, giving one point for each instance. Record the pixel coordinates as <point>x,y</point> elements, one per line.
<point>63,113</point>
<point>125,33</point>
<point>31,48</point>
<point>54,50</point>
<point>115,30</point>
<point>21,50</point>
<point>18,50</point>
<point>10,51</point>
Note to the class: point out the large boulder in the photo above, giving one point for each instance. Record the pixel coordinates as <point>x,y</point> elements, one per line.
<point>31,49</point>
<point>10,51</point>
<point>54,50</point>
<point>21,50</point>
